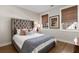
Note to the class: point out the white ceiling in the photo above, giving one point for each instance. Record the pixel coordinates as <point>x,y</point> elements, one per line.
<point>36,8</point>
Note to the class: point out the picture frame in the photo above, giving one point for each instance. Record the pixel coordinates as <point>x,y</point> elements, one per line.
<point>54,22</point>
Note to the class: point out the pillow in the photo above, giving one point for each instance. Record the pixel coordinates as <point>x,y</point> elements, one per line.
<point>22,31</point>
<point>34,29</point>
<point>18,31</point>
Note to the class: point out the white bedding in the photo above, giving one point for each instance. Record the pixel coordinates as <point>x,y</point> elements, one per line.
<point>19,40</point>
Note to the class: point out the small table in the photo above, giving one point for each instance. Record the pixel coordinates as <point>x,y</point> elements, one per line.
<point>76,41</point>
<point>76,47</point>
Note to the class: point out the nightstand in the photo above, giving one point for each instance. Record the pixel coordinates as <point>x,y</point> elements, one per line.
<point>76,46</point>
<point>76,41</point>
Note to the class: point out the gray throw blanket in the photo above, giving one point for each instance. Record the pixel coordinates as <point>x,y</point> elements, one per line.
<point>30,44</point>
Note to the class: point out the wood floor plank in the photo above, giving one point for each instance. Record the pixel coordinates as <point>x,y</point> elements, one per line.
<point>8,49</point>
<point>61,47</point>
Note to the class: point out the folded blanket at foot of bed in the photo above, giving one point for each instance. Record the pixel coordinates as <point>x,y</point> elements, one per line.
<point>30,44</point>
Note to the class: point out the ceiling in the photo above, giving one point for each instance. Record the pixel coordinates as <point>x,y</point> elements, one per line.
<point>36,8</point>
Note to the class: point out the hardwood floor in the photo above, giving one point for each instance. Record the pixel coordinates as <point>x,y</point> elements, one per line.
<point>61,47</point>
<point>8,49</point>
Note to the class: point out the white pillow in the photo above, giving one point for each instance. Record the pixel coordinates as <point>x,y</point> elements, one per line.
<point>18,31</point>
<point>34,29</point>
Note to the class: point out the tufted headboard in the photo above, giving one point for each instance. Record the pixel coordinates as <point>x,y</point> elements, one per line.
<point>20,24</point>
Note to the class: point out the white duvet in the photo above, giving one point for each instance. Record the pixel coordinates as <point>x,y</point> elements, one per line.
<point>19,40</point>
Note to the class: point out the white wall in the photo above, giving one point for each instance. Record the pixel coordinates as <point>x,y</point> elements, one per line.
<point>66,36</point>
<point>14,11</point>
<point>56,10</point>
<point>5,31</point>
<point>8,12</point>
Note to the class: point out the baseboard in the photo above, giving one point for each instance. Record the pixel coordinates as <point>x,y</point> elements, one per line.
<point>1,45</point>
<point>66,41</point>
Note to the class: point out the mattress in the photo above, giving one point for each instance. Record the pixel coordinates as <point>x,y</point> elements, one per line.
<point>19,40</point>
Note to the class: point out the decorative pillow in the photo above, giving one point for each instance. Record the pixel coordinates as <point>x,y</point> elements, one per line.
<point>22,31</point>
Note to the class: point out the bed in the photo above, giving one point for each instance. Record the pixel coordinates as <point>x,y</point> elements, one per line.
<point>34,42</point>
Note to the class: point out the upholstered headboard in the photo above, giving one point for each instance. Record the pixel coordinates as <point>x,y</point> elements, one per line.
<point>20,24</point>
